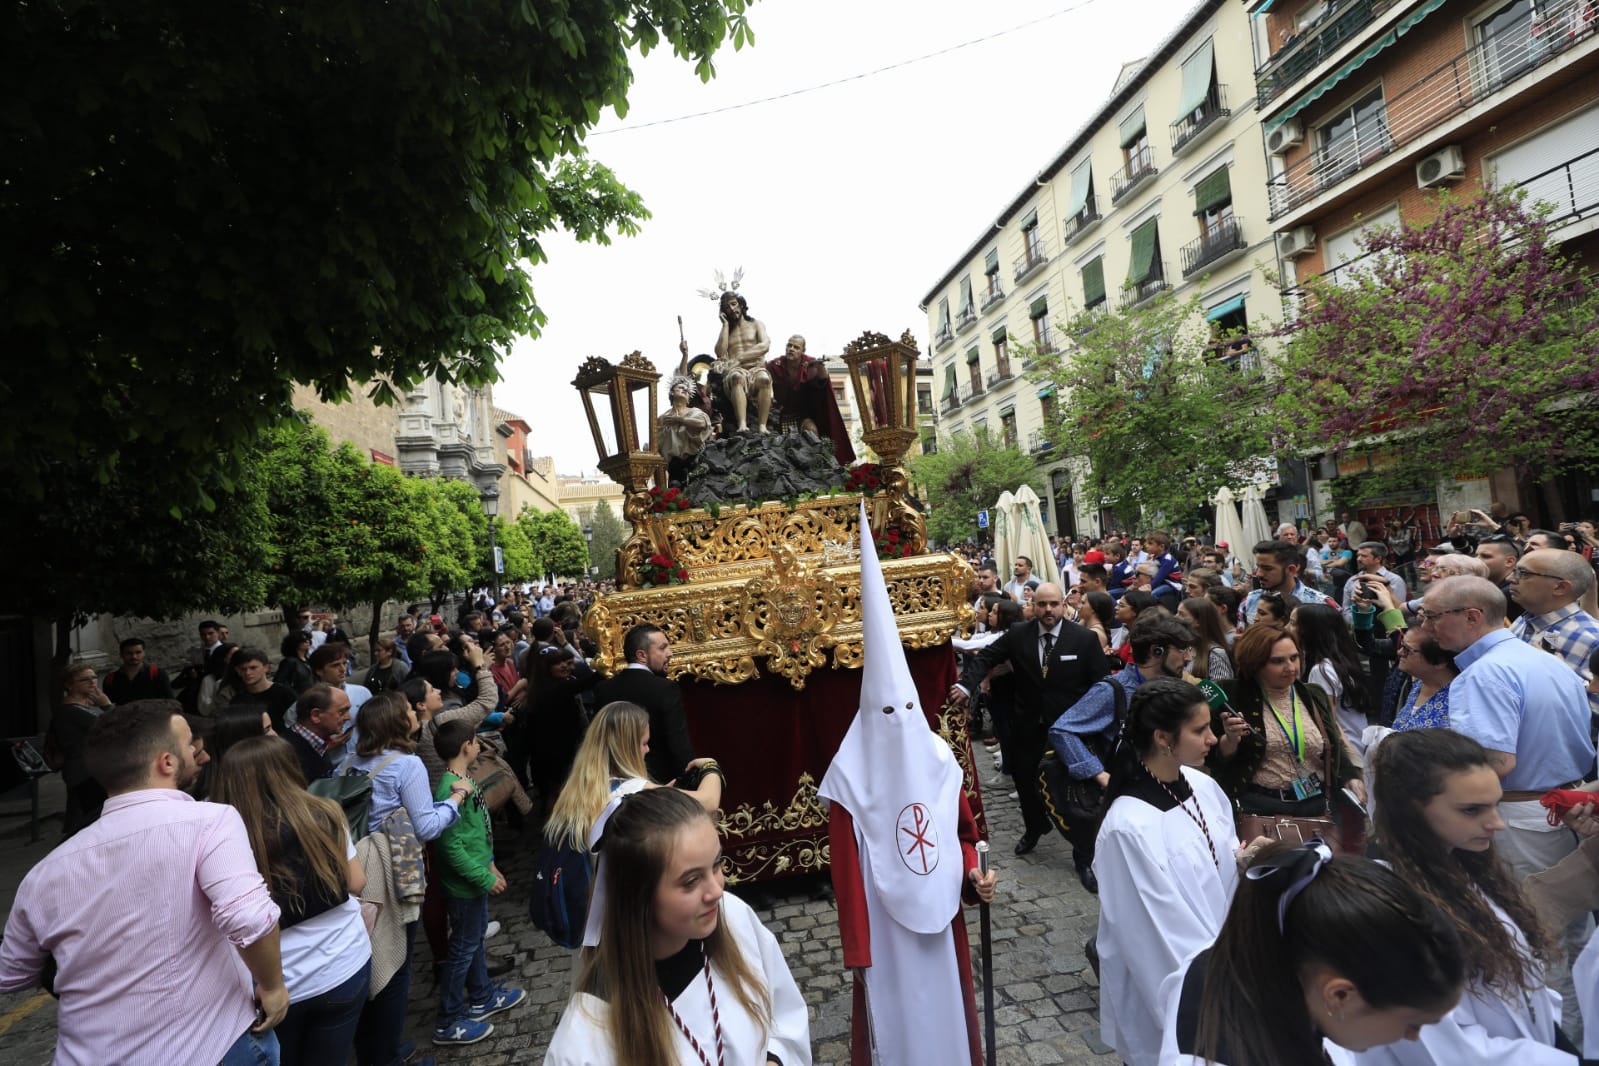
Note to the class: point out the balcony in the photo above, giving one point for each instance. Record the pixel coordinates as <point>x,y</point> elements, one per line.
<point>1083,221</point>
<point>944,337</point>
<point>1000,376</point>
<point>966,319</point>
<point>994,294</point>
<point>1037,444</point>
<point>951,403</point>
<point>1139,169</point>
<point>1031,263</point>
<point>1219,244</point>
<point>1189,131</point>
<point>1470,79</point>
<point>1148,289</point>
<point>1301,53</point>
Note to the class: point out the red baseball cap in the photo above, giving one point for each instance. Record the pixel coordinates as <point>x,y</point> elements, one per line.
<point>1094,557</point>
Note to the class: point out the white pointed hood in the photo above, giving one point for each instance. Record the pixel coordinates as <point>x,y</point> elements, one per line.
<point>896,777</point>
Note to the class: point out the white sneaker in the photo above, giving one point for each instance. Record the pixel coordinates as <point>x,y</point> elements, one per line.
<point>491,929</point>
<point>1013,795</point>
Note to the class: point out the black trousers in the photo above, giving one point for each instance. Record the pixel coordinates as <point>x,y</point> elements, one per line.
<point>1028,738</point>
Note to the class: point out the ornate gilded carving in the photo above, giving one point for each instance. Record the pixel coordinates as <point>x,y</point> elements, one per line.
<point>953,727</point>
<point>804,811</point>
<point>635,361</point>
<point>761,861</point>
<point>866,342</point>
<point>790,614</point>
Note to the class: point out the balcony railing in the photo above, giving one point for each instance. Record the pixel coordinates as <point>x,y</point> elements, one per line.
<point>974,388</point>
<point>966,319</point>
<point>1464,82</point>
<point>1225,239</point>
<point>1140,167</point>
<point>1307,48</point>
<point>1133,295</point>
<point>1000,376</point>
<point>1185,131</point>
<point>945,335</point>
<point>1083,221</point>
<point>951,403</point>
<point>1571,189</point>
<point>1030,263</point>
<point>1037,443</point>
<point>994,294</point>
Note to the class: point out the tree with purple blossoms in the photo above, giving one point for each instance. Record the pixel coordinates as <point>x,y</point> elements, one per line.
<point>1455,347</point>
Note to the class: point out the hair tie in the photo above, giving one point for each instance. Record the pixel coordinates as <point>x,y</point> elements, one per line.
<point>1302,864</point>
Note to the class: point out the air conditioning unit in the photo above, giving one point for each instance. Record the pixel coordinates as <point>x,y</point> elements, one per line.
<point>1442,167</point>
<point>1296,242</point>
<point>1289,135</point>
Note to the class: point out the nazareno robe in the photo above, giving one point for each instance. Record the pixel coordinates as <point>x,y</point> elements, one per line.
<point>855,929</point>
<point>581,1038</point>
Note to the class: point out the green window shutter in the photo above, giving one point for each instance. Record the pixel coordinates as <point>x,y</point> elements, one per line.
<point>1046,392</point>
<point>1094,282</point>
<point>949,381</point>
<point>1143,262</point>
<point>1001,335</point>
<point>1081,177</point>
<point>991,262</point>
<point>966,292</point>
<point>973,356</point>
<point>1132,127</point>
<point>1214,191</point>
<point>1039,308</point>
<point>1031,220</point>
<point>1197,76</point>
<point>943,314</point>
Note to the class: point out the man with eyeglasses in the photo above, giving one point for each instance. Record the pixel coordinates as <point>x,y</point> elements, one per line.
<point>1499,553</point>
<point>1550,585</point>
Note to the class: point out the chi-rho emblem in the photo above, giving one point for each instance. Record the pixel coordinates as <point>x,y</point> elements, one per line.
<point>918,840</point>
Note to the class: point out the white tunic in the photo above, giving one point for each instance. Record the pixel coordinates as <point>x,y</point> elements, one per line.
<point>1485,1028</point>
<point>582,1039</point>
<point>1162,899</point>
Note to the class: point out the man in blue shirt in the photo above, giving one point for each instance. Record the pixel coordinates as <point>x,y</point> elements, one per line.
<point>1277,566</point>
<point>1163,646</point>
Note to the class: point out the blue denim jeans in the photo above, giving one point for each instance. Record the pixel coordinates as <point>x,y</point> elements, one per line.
<point>466,970</point>
<point>321,1030</point>
<point>382,1026</point>
<point>253,1049</point>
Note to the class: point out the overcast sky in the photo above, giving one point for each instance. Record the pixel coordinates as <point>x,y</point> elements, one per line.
<point>844,205</point>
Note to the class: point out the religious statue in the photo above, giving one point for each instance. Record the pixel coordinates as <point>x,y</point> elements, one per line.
<point>684,430</point>
<point>805,400</point>
<point>741,360</point>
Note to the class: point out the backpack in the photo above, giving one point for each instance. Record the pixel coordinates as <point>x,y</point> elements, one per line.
<point>352,791</point>
<point>1068,800</point>
<point>559,903</point>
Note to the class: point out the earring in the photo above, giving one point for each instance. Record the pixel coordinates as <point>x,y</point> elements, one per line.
<point>1169,749</point>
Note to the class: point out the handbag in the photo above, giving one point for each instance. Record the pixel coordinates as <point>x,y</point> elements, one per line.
<point>1073,801</point>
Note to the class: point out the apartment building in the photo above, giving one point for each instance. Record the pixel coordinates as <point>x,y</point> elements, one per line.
<point>1163,188</point>
<point>1367,105</point>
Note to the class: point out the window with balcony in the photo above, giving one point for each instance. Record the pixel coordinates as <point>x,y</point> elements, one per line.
<point>1504,40</point>
<point>1146,275</point>
<point>974,371</point>
<point>1046,405</point>
<point>946,332</point>
<point>1093,275</point>
<point>1043,336</point>
<point>1082,210</point>
<point>966,315</point>
<point>952,397</point>
<point>1230,340</point>
<point>992,293</point>
<point>1001,341</point>
<point>1007,427</point>
<point>1220,234</point>
<point>1200,105</point>
<point>1137,158</point>
<point>1355,136</point>
<point>1032,248</point>
<point>924,399</point>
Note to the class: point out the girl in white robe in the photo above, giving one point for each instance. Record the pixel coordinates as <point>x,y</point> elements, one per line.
<point>1319,959</point>
<point>673,971</point>
<point>1166,859</point>
<point>1437,813</point>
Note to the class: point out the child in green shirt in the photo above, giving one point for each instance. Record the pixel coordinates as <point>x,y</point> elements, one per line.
<point>464,864</point>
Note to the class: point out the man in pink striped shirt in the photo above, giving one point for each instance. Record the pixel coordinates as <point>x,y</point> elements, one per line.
<point>156,915</point>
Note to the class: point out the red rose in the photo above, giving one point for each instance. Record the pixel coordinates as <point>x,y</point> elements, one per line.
<point>658,579</point>
<point>657,508</point>
<point>682,574</point>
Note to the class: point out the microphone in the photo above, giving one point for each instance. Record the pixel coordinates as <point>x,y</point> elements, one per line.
<point>1218,699</point>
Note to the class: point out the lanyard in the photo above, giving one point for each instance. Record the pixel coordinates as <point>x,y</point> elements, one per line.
<point>716,1017</point>
<point>1295,745</point>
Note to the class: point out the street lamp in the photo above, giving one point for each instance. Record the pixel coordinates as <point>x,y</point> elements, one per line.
<point>491,508</point>
<point>884,375</point>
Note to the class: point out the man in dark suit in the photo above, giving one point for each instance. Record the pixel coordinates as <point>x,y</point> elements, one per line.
<point>1054,662</point>
<point>644,682</point>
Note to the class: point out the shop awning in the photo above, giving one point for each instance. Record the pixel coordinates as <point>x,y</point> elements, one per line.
<point>1222,310</point>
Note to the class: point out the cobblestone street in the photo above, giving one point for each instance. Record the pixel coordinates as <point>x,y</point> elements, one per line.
<point>1045,994</point>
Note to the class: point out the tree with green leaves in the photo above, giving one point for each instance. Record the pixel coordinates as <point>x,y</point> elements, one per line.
<point>1158,407</point>
<point>1459,345</point>
<point>202,211</point>
<point>457,527</point>
<point>516,550</point>
<point>558,544</point>
<point>609,534</point>
<point>967,475</point>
